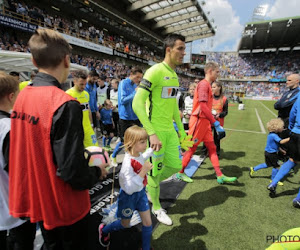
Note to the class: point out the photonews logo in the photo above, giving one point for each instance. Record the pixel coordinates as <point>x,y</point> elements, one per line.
<point>282,238</point>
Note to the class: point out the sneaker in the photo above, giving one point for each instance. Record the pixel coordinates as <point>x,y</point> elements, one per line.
<point>162,216</point>
<point>113,161</point>
<point>224,179</point>
<point>279,183</point>
<point>272,190</point>
<point>184,177</point>
<point>251,172</point>
<point>103,239</point>
<point>296,203</point>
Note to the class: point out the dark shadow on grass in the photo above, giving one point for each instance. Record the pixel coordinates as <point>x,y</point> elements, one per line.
<point>287,192</point>
<point>231,155</point>
<point>198,202</point>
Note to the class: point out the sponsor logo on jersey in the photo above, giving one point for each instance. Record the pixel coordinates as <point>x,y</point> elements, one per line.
<point>166,78</point>
<point>169,92</point>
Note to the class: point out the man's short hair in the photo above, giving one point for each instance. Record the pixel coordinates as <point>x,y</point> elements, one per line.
<point>8,84</point>
<point>93,73</point>
<point>48,48</point>
<point>171,39</point>
<point>80,74</point>
<point>210,65</point>
<point>14,73</point>
<point>135,70</point>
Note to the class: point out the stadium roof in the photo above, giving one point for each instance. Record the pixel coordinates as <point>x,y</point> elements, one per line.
<point>21,62</point>
<point>277,33</point>
<point>158,18</point>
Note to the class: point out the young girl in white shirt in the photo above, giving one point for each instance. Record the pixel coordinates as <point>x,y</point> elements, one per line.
<point>133,180</point>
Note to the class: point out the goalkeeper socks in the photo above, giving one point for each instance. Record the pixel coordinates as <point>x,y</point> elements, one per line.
<point>117,149</point>
<point>213,157</point>
<point>146,237</point>
<point>260,166</point>
<point>109,140</point>
<point>283,171</point>
<point>153,188</point>
<point>274,173</point>
<point>115,226</point>
<point>187,156</point>
<point>103,141</point>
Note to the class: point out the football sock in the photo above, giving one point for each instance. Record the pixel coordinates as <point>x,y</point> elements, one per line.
<point>115,226</point>
<point>213,157</point>
<point>146,237</point>
<point>117,149</point>
<point>260,166</point>
<point>109,140</point>
<point>153,188</point>
<point>283,171</point>
<point>103,141</point>
<point>274,173</point>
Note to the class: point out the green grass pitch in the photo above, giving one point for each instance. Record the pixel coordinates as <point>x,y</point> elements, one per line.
<point>240,216</point>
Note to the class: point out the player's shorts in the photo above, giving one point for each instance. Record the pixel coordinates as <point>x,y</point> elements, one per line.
<point>90,138</point>
<point>200,129</point>
<point>128,203</point>
<point>271,159</point>
<point>169,155</point>
<point>107,129</point>
<point>294,147</point>
<point>125,124</point>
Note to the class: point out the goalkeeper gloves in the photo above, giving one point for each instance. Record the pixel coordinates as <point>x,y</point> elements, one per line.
<point>220,130</point>
<point>185,140</point>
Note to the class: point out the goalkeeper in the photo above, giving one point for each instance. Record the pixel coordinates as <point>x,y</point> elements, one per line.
<point>200,124</point>
<point>158,90</point>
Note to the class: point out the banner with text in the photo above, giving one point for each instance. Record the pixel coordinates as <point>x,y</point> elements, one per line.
<point>86,44</point>
<point>17,24</point>
<point>131,57</point>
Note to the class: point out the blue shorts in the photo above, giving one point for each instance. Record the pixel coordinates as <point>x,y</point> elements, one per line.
<point>128,203</point>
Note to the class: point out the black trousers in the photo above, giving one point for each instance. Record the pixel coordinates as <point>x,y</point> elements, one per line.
<point>73,237</point>
<point>18,238</point>
<point>116,122</point>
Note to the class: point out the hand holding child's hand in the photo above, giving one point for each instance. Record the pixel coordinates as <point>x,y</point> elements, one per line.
<point>147,166</point>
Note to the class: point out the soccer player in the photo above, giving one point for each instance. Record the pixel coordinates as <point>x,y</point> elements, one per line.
<point>91,88</point>
<point>188,106</point>
<point>114,99</point>
<point>159,89</point>
<point>201,122</point>
<point>14,232</point>
<point>128,118</point>
<point>294,152</point>
<point>49,176</point>
<point>83,97</point>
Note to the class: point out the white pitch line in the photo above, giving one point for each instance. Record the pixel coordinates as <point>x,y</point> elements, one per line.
<point>246,131</point>
<point>268,109</point>
<point>260,122</point>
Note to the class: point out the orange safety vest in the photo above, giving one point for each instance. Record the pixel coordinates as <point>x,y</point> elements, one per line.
<point>218,106</point>
<point>35,190</point>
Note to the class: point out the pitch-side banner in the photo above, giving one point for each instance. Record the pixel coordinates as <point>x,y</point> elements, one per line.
<point>17,24</point>
<point>131,57</point>
<point>88,45</point>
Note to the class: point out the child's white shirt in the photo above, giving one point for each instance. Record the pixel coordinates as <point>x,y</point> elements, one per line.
<point>129,180</point>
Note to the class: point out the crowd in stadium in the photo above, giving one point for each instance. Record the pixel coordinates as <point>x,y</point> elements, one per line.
<point>83,30</point>
<point>257,65</point>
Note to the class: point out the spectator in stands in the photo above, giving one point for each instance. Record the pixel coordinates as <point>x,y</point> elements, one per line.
<point>58,197</point>
<point>128,118</point>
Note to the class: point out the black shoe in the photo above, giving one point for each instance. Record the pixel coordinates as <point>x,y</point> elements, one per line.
<point>272,190</point>
<point>296,203</point>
